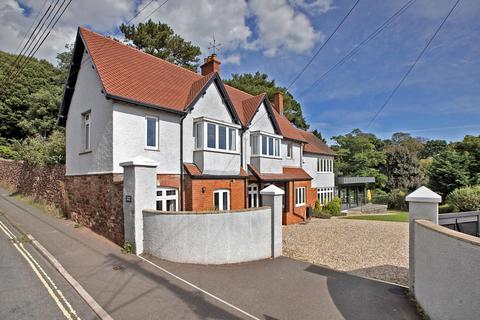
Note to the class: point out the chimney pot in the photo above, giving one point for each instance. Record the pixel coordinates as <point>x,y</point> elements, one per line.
<point>278,102</point>
<point>210,64</point>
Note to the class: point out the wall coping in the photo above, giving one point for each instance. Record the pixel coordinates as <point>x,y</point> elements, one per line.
<point>176,213</point>
<point>449,232</point>
<point>423,194</point>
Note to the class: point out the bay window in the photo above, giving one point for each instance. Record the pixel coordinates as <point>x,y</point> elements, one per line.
<point>216,136</point>
<point>265,145</point>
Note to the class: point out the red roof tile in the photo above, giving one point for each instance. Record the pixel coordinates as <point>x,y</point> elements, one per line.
<point>315,145</point>
<point>288,174</point>
<point>287,129</point>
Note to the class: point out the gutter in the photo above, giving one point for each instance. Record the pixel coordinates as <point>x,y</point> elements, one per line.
<point>182,170</point>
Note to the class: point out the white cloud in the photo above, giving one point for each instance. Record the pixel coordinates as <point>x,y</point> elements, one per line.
<point>314,6</point>
<point>281,28</point>
<point>232,59</point>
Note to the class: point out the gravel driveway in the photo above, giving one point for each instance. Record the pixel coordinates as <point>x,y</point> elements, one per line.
<point>374,249</point>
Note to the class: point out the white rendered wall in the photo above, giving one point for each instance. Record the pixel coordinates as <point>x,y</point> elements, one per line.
<point>261,121</point>
<point>295,160</point>
<point>88,96</point>
<point>129,137</point>
<point>320,179</point>
<point>211,106</point>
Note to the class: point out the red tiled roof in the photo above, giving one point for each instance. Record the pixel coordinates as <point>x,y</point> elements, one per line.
<point>315,145</point>
<point>288,174</point>
<point>250,106</point>
<point>130,73</point>
<point>287,129</point>
<point>194,171</point>
<point>237,96</point>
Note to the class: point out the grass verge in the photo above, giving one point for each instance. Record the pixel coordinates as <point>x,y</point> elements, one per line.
<point>391,215</point>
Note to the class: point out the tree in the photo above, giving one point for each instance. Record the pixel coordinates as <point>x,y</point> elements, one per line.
<point>318,134</point>
<point>160,40</point>
<point>432,148</point>
<point>449,171</point>
<point>414,145</point>
<point>64,59</point>
<point>359,154</point>
<point>29,105</point>
<point>259,83</point>
<point>402,169</point>
<point>470,146</point>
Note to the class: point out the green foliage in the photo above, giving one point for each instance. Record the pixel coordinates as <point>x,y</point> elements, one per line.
<point>395,217</point>
<point>465,199</point>
<point>41,151</point>
<point>470,147</point>
<point>379,197</point>
<point>449,171</point>
<point>396,199</point>
<point>259,83</point>
<point>445,208</point>
<point>318,134</point>
<point>402,169</point>
<point>160,40</point>
<point>359,154</point>
<point>432,148</point>
<point>6,152</point>
<point>127,248</point>
<point>29,105</point>
<point>333,207</point>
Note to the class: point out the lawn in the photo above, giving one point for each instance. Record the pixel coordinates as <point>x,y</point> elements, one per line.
<point>391,215</point>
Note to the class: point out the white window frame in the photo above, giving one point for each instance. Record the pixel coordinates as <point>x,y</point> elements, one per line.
<point>87,135</point>
<point>147,147</point>
<point>325,195</point>
<point>220,198</point>
<point>300,194</point>
<point>324,165</point>
<point>253,197</point>
<point>289,150</point>
<point>276,145</point>
<point>198,133</point>
<point>164,197</point>
<point>228,138</point>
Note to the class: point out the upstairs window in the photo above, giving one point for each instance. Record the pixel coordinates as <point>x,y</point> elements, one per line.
<point>324,165</point>
<point>289,150</point>
<point>151,132</point>
<point>265,145</point>
<point>218,137</point>
<point>87,129</point>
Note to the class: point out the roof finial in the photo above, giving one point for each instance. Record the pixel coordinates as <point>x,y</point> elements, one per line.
<point>214,46</point>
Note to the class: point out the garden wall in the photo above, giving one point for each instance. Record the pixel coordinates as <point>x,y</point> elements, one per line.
<point>212,237</point>
<point>446,272</point>
<point>94,201</point>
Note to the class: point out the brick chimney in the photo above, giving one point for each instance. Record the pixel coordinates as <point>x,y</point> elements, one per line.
<point>210,64</point>
<point>278,102</point>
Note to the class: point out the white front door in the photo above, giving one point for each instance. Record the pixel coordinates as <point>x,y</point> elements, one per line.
<point>253,195</point>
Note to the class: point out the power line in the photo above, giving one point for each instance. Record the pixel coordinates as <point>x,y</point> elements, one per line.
<point>354,51</point>
<point>413,65</point>
<point>31,25</point>
<point>323,45</point>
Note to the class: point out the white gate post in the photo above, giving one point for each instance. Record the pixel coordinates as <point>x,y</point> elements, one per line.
<point>272,197</point>
<point>422,204</point>
<point>139,193</point>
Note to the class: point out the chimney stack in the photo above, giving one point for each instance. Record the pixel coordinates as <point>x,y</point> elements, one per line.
<point>210,64</point>
<point>278,102</point>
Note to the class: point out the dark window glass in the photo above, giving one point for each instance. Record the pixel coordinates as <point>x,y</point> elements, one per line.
<point>222,137</point>
<point>159,205</point>
<point>264,145</point>
<point>211,135</point>
<point>151,132</point>
<point>270,146</point>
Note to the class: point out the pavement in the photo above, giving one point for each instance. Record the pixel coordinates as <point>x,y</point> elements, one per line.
<point>129,287</point>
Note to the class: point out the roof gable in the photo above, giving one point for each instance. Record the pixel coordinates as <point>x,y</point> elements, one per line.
<point>315,145</point>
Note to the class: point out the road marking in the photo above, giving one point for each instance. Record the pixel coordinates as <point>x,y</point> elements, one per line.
<point>36,267</point>
<point>200,289</point>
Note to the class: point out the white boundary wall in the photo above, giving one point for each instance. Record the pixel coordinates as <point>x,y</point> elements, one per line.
<point>210,238</point>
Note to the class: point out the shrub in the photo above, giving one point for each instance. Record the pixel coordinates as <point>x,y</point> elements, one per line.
<point>322,215</point>
<point>42,151</point>
<point>465,199</point>
<point>334,207</point>
<point>396,199</point>
<point>379,197</point>
<point>445,208</point>
<point>7,152</point>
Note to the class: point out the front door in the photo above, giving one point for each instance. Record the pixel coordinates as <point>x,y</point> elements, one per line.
<point>221,199</point>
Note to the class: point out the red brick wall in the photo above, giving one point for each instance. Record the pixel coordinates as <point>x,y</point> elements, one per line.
<point>169,180</point>
<point>196,200</point>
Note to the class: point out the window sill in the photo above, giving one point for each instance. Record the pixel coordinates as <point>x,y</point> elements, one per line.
<point>217,151</point>
<point>152,149</point>
<point>300,205</point>
<point>264,156</point>
<point>85,152</point>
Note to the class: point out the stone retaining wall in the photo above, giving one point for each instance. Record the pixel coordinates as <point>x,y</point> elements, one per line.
<point>94,201</point>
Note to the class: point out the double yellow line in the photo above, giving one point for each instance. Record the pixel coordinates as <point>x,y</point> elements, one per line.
<point>51,287</point>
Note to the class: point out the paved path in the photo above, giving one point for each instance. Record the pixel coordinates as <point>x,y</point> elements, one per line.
<point>129,288</point>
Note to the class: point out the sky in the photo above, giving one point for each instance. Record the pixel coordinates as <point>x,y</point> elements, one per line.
<point>439,100</point>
